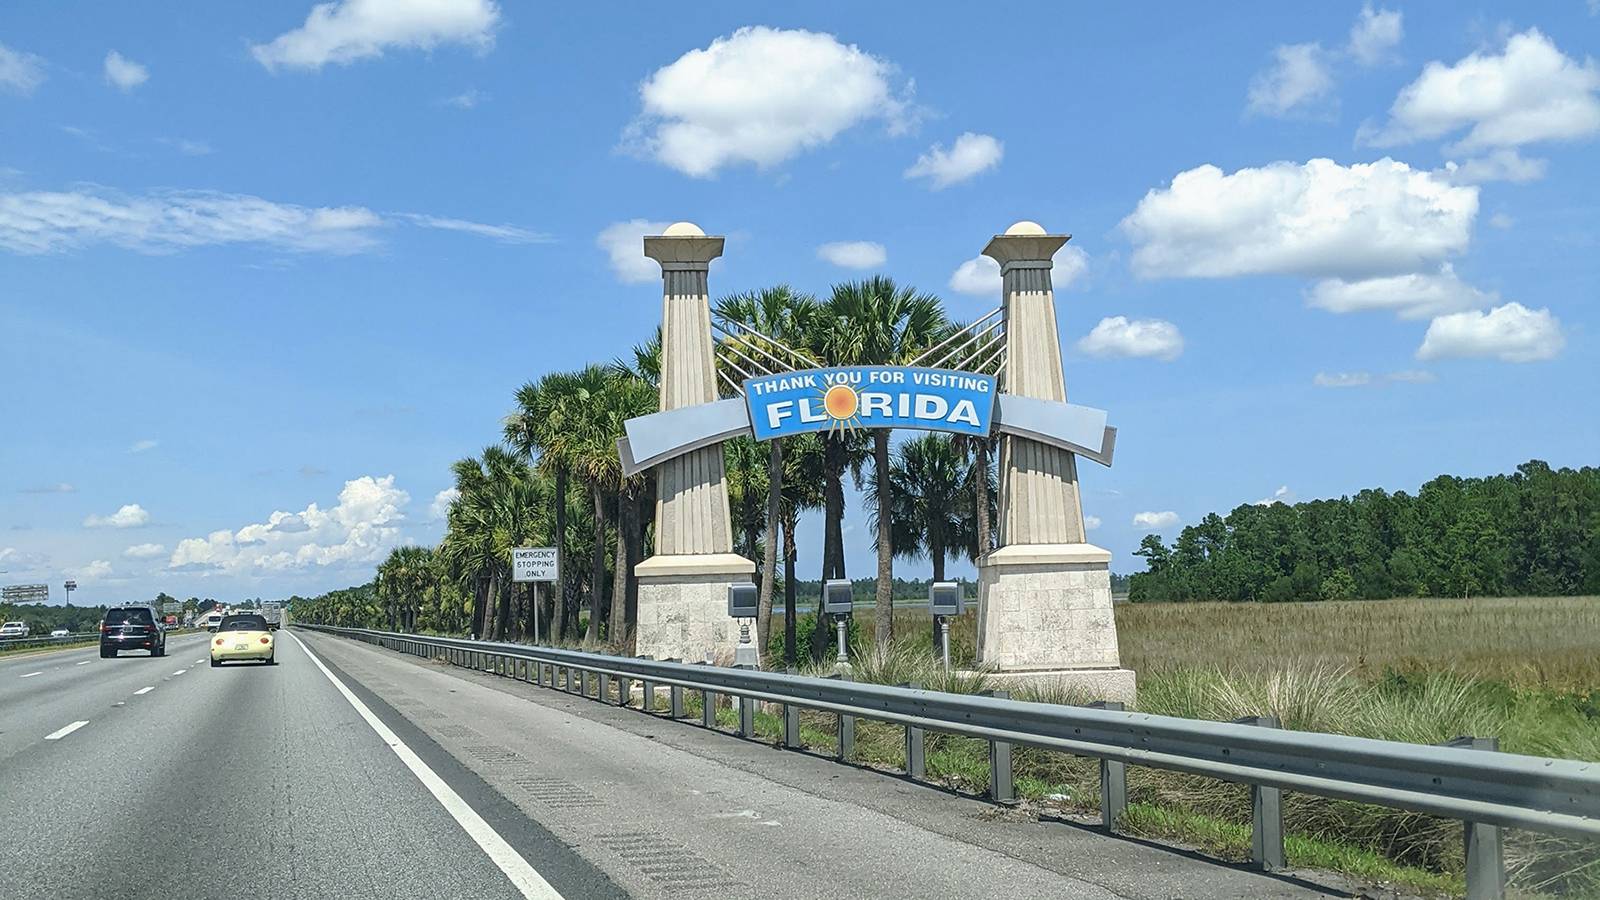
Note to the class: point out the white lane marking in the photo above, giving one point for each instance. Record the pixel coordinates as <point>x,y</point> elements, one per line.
<point>56,736</point>
<point>84,663</point>
<point>31,674</point>
<point>200,660</point>
<point>144,690</point>
<point>526,878</point>
<point>180,671</point>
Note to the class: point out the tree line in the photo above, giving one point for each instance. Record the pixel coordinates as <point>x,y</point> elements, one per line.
<point>1534,532</point>
<point>555,479</point>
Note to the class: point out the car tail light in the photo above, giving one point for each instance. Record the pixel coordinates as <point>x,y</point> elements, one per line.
<point>219,642</point>
<point>104,627</point>
<point>266,640</point>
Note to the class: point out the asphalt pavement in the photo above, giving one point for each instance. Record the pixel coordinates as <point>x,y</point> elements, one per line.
<point>141,777</point>
<point>347,771</point>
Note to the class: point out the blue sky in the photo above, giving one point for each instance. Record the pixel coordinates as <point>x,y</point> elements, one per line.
<point>265,270</point>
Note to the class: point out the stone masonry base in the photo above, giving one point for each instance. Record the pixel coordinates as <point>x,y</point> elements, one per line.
<point>685,616</point>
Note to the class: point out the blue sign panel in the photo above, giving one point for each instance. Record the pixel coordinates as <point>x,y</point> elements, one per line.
<point>870,397</point>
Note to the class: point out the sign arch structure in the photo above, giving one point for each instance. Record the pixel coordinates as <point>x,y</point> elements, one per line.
<point>1044,605</point>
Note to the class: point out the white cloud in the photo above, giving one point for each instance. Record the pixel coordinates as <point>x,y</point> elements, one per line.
<point>624,244</point>
<point>20,73</point>
<point>1316,219</point>
<point>1116,336</point>
<point>466,100</point>
<point>99,570</point>
<point>759,96</point>
<point>1375,35</point>
<point>853,254</point>
<point>16,562</point>
<point>1342,379</point>
<point>1300,78</point>
<point>1408,296</point>
<point>1154,521</point>
<point>971,155</point>
<point>1511,332</point>
<point>1281,495</point>
<point>142,446</point>
<point>348,30</point>
<point>980,276</point>
<point>440,507</point>
<point>1499,165</point>
<point>145,551</point>
<point>1530,92</point>
<point>130,516</point>
<point>1501,220</point>
<point>506,234</point>
<point>124,73</point>
<point>62,488</point>
<point>41,222</point>
<point>358,530</point>
<point>1090,523</point>
<point>167,222</point>
<point>1411,376</point>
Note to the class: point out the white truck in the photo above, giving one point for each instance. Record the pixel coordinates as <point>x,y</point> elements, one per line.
<point>272,611</point>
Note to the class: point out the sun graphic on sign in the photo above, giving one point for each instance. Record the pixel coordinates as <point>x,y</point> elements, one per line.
<point>841,403</point>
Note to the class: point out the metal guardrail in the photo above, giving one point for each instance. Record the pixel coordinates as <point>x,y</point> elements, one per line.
<point>33,643</point>
<point>1461,780</point>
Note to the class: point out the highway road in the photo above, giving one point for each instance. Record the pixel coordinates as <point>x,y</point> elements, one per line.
<point>352,772</point>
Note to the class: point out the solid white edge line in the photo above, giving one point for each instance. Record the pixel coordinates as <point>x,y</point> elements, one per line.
<point>31,674</point>
<point>144,690</point>
<point>58,735</point>
<point>526,878</point>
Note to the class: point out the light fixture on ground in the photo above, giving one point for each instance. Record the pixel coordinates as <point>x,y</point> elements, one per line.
<point>743,605</point>
<point>838,602</point>
<point>946,600</point>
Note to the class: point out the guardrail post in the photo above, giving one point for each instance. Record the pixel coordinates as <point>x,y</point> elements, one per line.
<point>791,723</point>
<point>1113,782</point>
<point>708,703</point>
<point>1266,813</point>
<point>605,688</point>
<point>675,697</point>
<point>1485,844</point>
<point>1002,787</point>
<point>916,753</point>
<point>648,701</point>
<point>847,727</point>
<point>747,717</point>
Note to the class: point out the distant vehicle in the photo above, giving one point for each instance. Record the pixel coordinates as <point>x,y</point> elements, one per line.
<point>14,630</point>
<point>243,636</point>
<point>211,620</point>
<point>272,611</point>
<point>60,632</point>
<point>130,627</point>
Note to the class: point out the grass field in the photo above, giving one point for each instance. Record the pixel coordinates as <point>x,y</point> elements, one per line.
<point>1525,670</point>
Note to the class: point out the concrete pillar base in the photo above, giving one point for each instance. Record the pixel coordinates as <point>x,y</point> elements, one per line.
<point>1046,608</point>
<point>683,606</point>
<point>1071,686</point>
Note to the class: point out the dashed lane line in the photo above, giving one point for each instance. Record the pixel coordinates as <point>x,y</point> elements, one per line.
<point>144,690</point>
<point>180,671</point>
<point>31,674</point>
<point>524,876</point>
<point>84,663</point>
<point>58,735</point>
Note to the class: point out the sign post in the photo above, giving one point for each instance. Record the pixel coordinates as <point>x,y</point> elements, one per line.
<point>70,586</point>
<point>535,564</point>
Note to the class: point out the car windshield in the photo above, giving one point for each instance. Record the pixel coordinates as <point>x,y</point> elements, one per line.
<point>243,623</point>
<point>129,617</point>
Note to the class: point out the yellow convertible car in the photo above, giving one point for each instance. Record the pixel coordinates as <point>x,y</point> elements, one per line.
<point>242,636</point>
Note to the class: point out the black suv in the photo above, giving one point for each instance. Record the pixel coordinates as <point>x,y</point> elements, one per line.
<point>131,627</point>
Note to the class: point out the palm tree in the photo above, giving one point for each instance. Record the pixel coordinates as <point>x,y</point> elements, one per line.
<point>930,508</point>
<point>876,322</point>
<point>781,315</point>
<point>801,490</point>
<point>500,507</point>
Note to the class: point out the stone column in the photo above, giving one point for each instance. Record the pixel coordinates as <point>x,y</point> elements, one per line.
<point>1044,593</point>
<point>683,588</point>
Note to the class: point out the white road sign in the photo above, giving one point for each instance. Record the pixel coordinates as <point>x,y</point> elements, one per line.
<point>535,564</point>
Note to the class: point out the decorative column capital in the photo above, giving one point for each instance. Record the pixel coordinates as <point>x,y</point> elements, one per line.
<point>683,248</point>
<point>1025,245</point>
